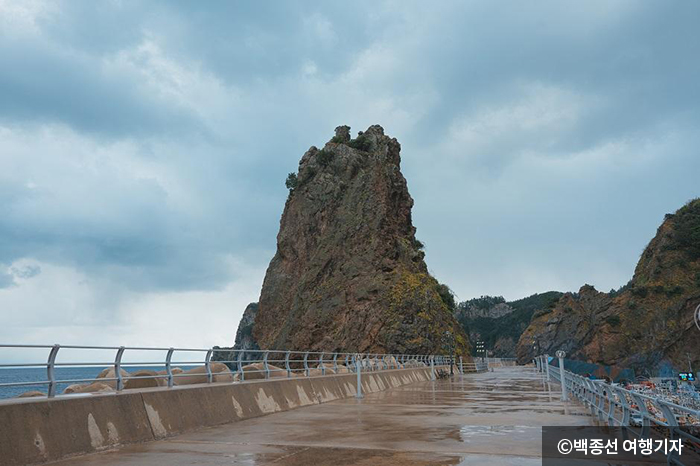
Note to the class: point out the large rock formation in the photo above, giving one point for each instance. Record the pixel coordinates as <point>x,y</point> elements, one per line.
<point>499,324</point>
<point>244,334</point>
<point>244,340</point>
<point>349,274</point>
<point>488,307</point>
<point>648,324</point>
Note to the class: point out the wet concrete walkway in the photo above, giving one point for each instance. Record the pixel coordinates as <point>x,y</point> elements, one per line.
<point>489,418</point>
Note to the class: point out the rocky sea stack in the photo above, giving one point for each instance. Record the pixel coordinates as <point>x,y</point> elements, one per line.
<point>349,273</point>
<point>648,324</point>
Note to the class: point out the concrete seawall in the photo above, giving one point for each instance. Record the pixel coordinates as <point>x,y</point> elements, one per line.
<point>35,431</point>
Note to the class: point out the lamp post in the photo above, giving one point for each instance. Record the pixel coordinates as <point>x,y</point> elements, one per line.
<point>561,354</point>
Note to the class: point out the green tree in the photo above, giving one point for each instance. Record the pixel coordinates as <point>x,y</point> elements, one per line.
<point>292,181</point>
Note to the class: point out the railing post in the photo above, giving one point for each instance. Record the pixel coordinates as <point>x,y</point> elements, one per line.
<point>265,365</point>
<point>644,412</point>
<point>320,364</point>
<point>672,426</point>
<point>358,370</point>
<point>611,405</point>
<point>432,368</point>
<point>306,364</point>
<point>335,362</point>
<point>600,408</point>
<point>207,366</point>
<point>118,368</point>
<point>461,365</point>
<point>286,364</point>
<point>168,369</point>
<point>50,365</point>
<point>593,397</point>
<point>562,375</point>
<point>347,362</point>
<point>546,366</point>
<point>241,372</point>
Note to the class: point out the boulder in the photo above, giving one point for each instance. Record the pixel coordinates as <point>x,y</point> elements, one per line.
<point>329,370</point>
<point>31,394</point>
<point>94,387</point>
<point>144,379</point>
<point>220,372</point>
<point>109,373</point>
<point>256,371</point>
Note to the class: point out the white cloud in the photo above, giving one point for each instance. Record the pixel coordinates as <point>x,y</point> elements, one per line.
<point>321,29</point>
<point>22,18</point>
<point>539,120</point>
<point>168,82</point>
<point>63,305</point>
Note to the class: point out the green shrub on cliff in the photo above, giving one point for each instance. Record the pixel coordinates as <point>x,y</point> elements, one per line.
<point>687,227</point>
<point>447,296</point>
<point>361,143</point>
<point>292,181</point>
<point>613,320</point>
<point>324,157</point>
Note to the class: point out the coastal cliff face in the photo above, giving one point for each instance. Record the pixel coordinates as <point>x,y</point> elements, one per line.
<point>349,274</point>
<point>646,325</point>
<point>244,340</point>
<point>499,324</point>
<point>244,334</point>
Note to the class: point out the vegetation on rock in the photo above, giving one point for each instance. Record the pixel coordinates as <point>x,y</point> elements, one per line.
<point>499,324</point>
<point>647,324</point>
<point>291,182</point>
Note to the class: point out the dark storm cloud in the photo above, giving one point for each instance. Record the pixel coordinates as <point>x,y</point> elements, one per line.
<point>147,142</point>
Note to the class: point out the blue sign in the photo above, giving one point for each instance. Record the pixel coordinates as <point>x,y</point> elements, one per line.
<point>686,377</point>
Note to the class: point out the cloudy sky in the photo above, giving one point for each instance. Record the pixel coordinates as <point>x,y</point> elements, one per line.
<point>144,146</point>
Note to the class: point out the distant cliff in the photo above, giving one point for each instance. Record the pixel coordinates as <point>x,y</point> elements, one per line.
<point>349,274</point>
<point>498,323</point>
<point>244,334</point>
<point>244,340</point>
<point>648,324</point>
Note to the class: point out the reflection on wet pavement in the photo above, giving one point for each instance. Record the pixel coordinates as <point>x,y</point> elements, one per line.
<point>489,418</point>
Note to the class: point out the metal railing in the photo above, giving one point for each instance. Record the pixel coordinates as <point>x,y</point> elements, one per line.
<point>476,366</point>
<point>619,407</point>
<point>210,365</point>
<point>502,362</point>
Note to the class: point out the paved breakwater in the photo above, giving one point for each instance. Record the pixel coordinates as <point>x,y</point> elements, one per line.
<point>39,430</point>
